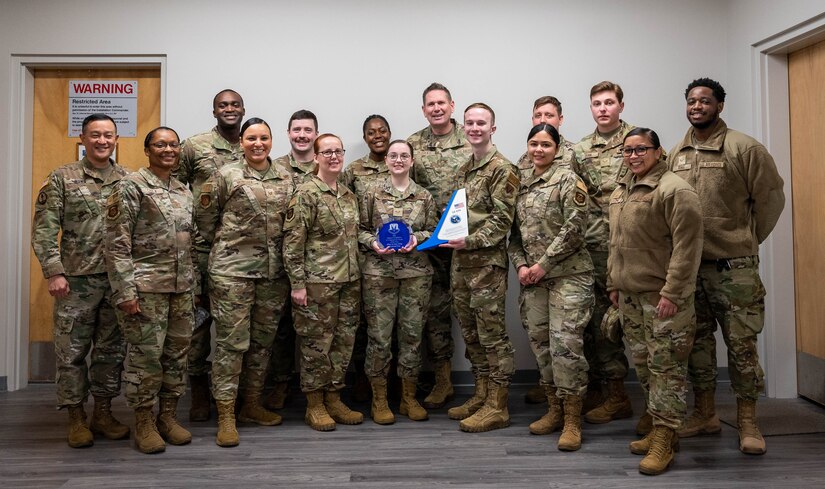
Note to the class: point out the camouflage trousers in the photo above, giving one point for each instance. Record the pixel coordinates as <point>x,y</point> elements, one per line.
<point>326,332</point>
<point>385,300</point>
<point>555,313</point>
<point>660,349</point>
<point>606,358</point>
<point>246,312</point>
<point>438,330</point>
<point>158,338</point>
<point>201,344</point>
<point>85,321</point>
<point>478,299</point>
<point>735,299</point>
<point>282,360</point>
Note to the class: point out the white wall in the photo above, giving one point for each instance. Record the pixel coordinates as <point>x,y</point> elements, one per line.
<point>345,60</point>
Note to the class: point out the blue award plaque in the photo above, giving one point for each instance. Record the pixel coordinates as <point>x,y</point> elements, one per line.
<point>394,235</point>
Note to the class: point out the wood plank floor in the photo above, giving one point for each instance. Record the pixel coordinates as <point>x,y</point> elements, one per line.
<point>33,453</point>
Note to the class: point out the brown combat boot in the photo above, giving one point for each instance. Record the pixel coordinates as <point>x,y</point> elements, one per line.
<point>571,435</point>
<point>645,424</point>
<point>641,447</point>
<point>554,418</point>
<point>79,434</point>
<point>409,404</point>
<point>535,395</point>
<point>472,404</point>
<point>750,439</point>
<point>380,411</point>
<point>616,406</point>
<point>660,455</point>
<point>227,431</point>
<point>317,416</point>
<point>104,423</point>
<point>147,438</point>
<point>703,420</point>
<point>442,391</point>
<point>168,425</point>
<point>492,415</point>
<point>277,398</point>
<point>339,411</point>
<point>594,397</point>
<point>253,412</point>
<point>199,410</point>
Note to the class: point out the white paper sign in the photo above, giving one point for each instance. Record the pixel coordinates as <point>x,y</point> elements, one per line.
<point>115,98</point>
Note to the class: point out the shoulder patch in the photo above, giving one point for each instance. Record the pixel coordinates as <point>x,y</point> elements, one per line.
<point>113,212</point>
<point>206,200</point>
<point>513,182</point>
<point>42,197</point>
<point>290,213</point>
<point>581,186</point>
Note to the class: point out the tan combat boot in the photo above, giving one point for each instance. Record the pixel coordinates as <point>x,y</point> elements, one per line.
<point>535,395</point>
<point>645,424</point>
<point>641,447</point>
<point>339,411</point>
<point>443,391</point>
<point>227,431</point>
<point>492,415</point>
<point>571,435</point>
<point>409,404</point>
<point>253,412</point>
<point>660,455</point>
<point>554,418</point>
<point>199,410</point>
<point>104,423</point>
<point>168,425</point>
<point>380,411</point>
<point>616,406</point>
<point>147,438</point>
<point>472,404</point>
<point>317,416</point>
<point>277,398</point>
<point>703,420</point>
<point>79,434</point>
<point>750,439</point>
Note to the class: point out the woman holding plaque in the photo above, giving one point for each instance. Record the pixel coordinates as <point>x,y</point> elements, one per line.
<point>396,215</point>
<point>321,257</point>
<point>556,277</point>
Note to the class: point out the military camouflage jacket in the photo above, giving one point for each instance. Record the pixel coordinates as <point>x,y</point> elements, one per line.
<point>73,199</point>
<point>362,173</point>
<point>492,185</point>
<point>384,203</point>
<point>565,156</point>
<point>601,165</point>
<point>321,241</point>
<point>301,172</point>
<point>149,230</point>
<point>438,161</point>
<point>551,219</point>
<point>241,213</point>
<point>739,188</point>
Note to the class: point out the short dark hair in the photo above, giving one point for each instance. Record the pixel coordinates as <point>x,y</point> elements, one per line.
<point>715,87</point>
<point>225,90</point>
<point>644,132</point>
<point>482,105</point>
<point>151,133</point>
<point>607,86</point>
<point>96,117</point>
<point>549,129</point>
<point>547,99</point>
<point>302,114</point>
<point>402,141</point>
<point>371,117</point>
<point>433,87</point>
<point>253,121</point>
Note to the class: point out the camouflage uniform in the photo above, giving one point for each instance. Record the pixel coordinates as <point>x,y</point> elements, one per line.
<point>396,285</point>
<point>72,200</point>
<point>549,227</point>
<point>150,256</point>
<point>241,212</point>
<point>655,249</point>
<point>565,156</point>
<point>741,195</point>
<point>601,164</point>
<point>479,272</point>
<point>438,161</point>
<point>321,256</point>
<point>200,156</point>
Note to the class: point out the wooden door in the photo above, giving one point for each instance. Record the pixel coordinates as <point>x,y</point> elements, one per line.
<point>52,147</point>
<point>806,71</point>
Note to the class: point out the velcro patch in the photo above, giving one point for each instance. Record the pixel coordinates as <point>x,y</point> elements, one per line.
<point>113,212</point>
<point>206,201</point>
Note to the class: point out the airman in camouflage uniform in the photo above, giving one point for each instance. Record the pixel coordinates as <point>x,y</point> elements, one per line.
<point>441,149</point>
<point>152,265</point>
<point>556,274</point>
<point>742,198</point>
<point>72,202</point>
<point>599,158</point>
<point>201,156</point>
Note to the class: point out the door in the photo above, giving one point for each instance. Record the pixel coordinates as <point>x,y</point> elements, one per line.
<point>806,70</point>
<point>51,148</point>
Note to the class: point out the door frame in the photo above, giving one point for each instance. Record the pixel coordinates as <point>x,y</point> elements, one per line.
<point>19,198</point>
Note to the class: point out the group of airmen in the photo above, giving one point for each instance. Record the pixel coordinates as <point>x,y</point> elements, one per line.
<point>284,254</point>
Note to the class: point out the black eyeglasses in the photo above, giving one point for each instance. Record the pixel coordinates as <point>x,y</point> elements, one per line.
<point>329,153</point>
<point>639,150</point>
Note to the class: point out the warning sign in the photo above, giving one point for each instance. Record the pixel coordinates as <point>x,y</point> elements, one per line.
<point>115,98</point>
